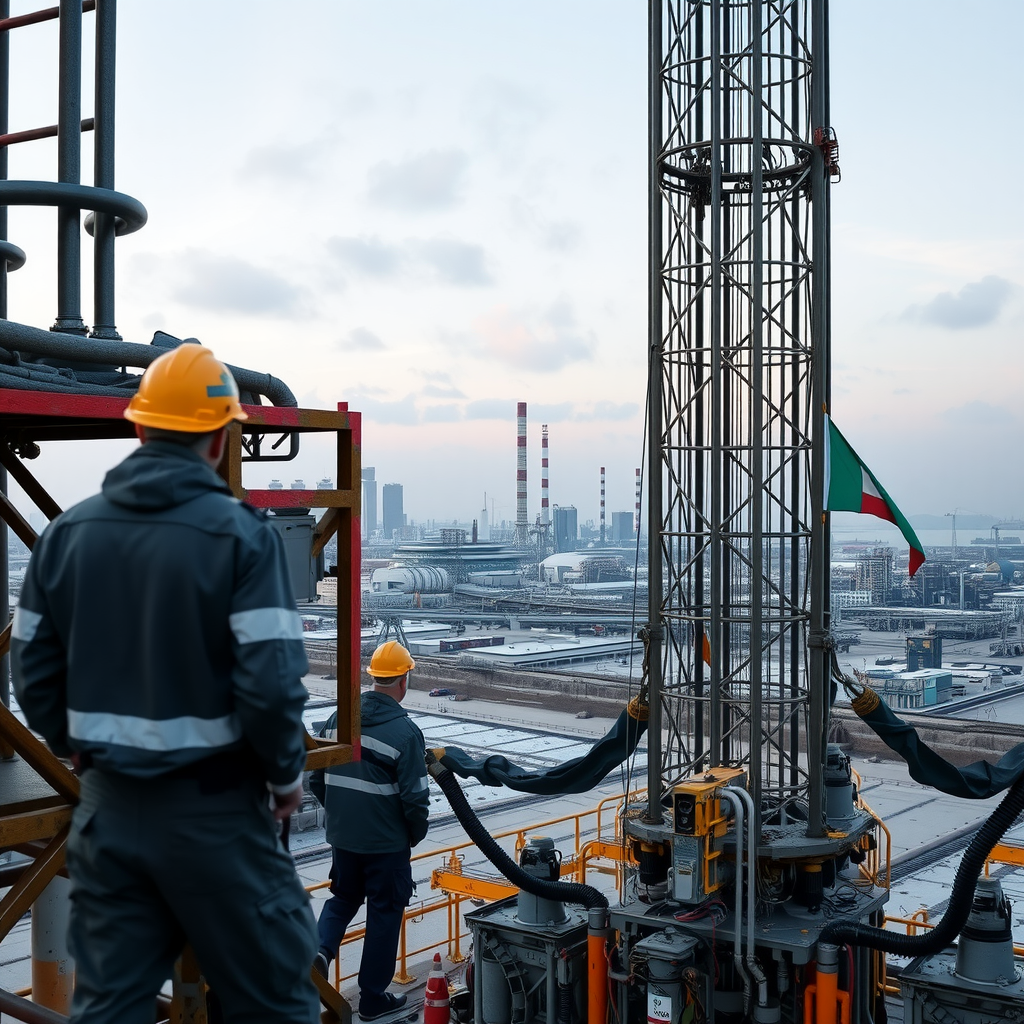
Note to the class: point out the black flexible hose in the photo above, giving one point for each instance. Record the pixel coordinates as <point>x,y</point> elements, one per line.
<point>566,892</point>
<point>854,933</point>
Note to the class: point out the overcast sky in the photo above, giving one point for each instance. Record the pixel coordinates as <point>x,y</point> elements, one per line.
<point>433,209</point>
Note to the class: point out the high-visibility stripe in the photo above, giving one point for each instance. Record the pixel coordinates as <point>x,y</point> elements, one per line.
<point>422,783</point>
<point>185,733</point>
<point>266,624</point>
<point>380,747</point>
<point>25,624</point>
<point>347,782</point>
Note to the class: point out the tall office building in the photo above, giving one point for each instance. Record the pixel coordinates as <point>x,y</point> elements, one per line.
<point>622,527</point>
<point>393,514</point>
<point>566,530</point>
<point>369,517</point>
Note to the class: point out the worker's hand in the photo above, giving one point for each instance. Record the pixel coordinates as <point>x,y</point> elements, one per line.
<point>286,804</point>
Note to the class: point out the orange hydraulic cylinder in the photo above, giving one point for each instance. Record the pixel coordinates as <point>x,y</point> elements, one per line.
<point>824,1001</point>
<point>597,972</point>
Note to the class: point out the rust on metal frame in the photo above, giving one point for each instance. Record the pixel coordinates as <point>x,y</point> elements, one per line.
<point>38,823</point>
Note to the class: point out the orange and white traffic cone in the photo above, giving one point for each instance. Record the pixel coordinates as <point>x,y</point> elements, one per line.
<point>435,998</point>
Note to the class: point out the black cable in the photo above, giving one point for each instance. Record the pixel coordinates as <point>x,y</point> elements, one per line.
<point>962,896</point>
<point>565,892</point>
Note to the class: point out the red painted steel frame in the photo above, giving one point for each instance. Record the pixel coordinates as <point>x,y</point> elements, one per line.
<point>43,416</point>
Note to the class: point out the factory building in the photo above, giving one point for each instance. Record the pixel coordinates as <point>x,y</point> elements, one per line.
<point>566,528</point>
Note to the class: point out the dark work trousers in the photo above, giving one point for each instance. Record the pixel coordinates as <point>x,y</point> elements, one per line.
<point>157,862</point>
<point>384,881</point>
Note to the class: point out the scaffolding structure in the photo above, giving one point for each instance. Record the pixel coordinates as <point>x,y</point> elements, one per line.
<point>741,162</point>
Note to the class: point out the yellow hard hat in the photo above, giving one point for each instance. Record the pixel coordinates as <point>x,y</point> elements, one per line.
<point>390,659</point>
<point>186,389</point>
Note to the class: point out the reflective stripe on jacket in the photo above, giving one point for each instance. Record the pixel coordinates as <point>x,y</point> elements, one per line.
<point>378,804</point>
<point>157,626</point>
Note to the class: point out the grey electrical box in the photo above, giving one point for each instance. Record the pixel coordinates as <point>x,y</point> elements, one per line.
<point>304,570</point>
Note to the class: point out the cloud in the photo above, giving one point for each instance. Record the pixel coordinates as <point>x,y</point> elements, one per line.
<point>442,391</point>
<point>368,256</point>
<point>609,411</point>
<point>454,262</point>
<point>423,261</point>
<point>281,162</point>
<point>430,181</point>
<point>544,342</point>
<point>448,413</point>
<point>977,413</point>
<point>557,413</point>
<point>975,305</point>
<point>227,284</point>
<point>505,116</point>
<point>402,412</point>
<point>490,409</point>
<point>359,339</point>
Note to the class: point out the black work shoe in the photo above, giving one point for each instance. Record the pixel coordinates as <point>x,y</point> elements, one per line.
<point>385,1006</point>
<point>320,965</point>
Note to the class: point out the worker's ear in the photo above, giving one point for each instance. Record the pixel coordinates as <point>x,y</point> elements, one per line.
<point>217,445</point>
<point>140,432</point>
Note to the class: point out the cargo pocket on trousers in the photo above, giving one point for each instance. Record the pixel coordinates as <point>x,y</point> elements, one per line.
<point>287,931</point>
<point>403,890</point>
<point>80,845</point>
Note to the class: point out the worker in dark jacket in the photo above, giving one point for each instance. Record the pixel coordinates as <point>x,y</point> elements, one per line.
<point>158,646</point>
<point>376,809</point>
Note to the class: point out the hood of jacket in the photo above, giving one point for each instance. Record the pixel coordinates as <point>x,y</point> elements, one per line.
<point>377,708</point>
<point>160,475</point>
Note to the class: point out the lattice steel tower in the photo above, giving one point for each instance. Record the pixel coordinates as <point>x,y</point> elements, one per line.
<point>741,158</point>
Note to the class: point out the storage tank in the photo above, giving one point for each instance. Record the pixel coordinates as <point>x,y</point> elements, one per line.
<point>410,579</point>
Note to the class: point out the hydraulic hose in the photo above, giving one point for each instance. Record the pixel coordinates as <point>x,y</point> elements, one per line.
<point>854,933</point>
<point>565,892</point>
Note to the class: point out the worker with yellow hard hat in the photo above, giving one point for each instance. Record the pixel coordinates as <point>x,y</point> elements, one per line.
<point>157,645</point>
<point>376,811</point>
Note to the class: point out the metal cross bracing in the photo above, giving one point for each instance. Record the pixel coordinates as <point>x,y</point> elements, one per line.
<point>738,382</point>
<point>37,790</point>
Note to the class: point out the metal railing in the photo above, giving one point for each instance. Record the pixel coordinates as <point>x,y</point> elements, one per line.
<point>597,844</point>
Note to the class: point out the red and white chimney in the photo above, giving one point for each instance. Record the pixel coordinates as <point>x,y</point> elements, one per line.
<point>522,520</point>
<point>602,505</point>
<point>544,514</point>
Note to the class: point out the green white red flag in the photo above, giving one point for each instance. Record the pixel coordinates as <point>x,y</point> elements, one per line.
<point>851,487</point>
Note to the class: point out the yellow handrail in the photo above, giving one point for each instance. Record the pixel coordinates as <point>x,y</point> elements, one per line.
<point>458,886</point>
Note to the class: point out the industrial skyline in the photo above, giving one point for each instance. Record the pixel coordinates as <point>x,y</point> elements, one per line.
<point>453,183</point>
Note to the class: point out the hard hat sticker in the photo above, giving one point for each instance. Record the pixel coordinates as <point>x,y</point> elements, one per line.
<point>225,389</point>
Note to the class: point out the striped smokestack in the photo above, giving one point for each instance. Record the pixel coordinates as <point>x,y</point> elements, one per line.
<point>636,513</point>
<point>602,504</point>
<point>544,516</point>
<point>522,522</point>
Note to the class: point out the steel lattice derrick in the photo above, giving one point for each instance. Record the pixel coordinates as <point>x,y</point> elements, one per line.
<point>739,364</point>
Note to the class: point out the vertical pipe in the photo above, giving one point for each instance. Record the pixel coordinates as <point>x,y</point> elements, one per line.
<point>103,164</point>
<point>602,506</point>
<point>69,168</point>
<point>818,684</point>
<point>53,970</point>
<point>544,514</point>
<point>757,475</point>
<point>597,967</point>
<point>655,413</point>
<point>718,595</point>
<point>5,75</point>
<point>522,522</point>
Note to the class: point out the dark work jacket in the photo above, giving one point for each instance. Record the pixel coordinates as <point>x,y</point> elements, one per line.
<point>157,628</point>
<point>378,804</point>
